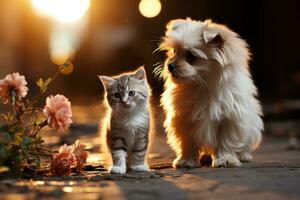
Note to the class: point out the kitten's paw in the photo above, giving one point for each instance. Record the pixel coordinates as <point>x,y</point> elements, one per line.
<point>185,163</point>
<point>140,168</point>
<point>228,161</point>
<point>117,170</point>
<point>245,157</point>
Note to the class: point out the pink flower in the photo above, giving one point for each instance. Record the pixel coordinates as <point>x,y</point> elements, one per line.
<point>63,161</point>
<point>67,157</point>
<point>15,82</point>
<point>80,154</point>
<point>58,112</point>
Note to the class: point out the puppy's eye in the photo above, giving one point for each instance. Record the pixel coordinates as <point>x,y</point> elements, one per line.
<point>117,95</point>
<point>131,93</point>
<point>189,57</point>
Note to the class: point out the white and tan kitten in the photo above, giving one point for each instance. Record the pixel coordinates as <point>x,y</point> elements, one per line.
<point>126,125</point>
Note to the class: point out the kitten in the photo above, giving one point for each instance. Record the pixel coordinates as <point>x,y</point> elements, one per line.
<point>127,121</point>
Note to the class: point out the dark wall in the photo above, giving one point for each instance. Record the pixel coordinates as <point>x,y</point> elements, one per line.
<point>270,27</point>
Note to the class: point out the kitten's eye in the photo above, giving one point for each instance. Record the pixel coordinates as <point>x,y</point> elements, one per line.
<point>131,93</point>
<point>173,51</point>
<point>117,95</point>
<point>189,57</point>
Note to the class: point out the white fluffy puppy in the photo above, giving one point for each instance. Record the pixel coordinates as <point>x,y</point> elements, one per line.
<point>209,96</point>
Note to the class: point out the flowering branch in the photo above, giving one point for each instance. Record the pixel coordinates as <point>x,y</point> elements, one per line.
<point>44,85</point>
<point>20,143</point>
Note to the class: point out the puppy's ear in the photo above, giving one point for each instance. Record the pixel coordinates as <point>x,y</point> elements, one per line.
<point>212,37</point>
<point>140,73</point>
<point>106,81</point>
<point>175,24</point>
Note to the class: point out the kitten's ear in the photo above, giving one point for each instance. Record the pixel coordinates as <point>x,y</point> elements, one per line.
<point>140,73</point>
<point>106,80</point>
<point>212,37</point>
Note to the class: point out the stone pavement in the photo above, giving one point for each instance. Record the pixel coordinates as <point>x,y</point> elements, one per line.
<point>274,174</point>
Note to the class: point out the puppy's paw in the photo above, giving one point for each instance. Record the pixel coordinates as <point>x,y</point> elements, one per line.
<point>185,163</point>
<point>140,168</point>
<point>228,161</point>
<point>245,157</point>
<point>117,170</point>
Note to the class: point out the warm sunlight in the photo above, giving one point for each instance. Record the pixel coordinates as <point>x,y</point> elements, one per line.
<point>149,99</point>
<point>67,11</point>
<point>67,27</point>
<point>62,43</point>
<point>150,8</point>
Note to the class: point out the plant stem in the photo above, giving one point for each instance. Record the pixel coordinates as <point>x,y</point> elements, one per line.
<point>18,112</point>
<point>41,154</point>
<point>35,99</point>
<point>39,127</point>
<point>43,149</point>
<point>28,126</point>
<point>33,109</point>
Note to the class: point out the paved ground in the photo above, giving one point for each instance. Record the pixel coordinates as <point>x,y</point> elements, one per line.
<point>274,174</point>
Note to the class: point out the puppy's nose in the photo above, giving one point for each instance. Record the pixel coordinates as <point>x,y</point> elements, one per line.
<point>171,67</point>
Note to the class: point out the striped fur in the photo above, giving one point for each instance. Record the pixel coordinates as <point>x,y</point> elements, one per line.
<point>126,124</point>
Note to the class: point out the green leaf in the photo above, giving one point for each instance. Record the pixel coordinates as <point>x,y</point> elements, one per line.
<point>5,137</point>
<point>40,83</point>
<point>8,117</point>
<point>4,153</point>
<point>27,142</point>
<point>3,128</point>
<point>43,85</point>
<point>17,139</point>
<point>47,82</point>
<point>38,139</point>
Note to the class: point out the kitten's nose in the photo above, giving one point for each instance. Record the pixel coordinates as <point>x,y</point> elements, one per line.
<point>171,67</point>
<point>125,101</point>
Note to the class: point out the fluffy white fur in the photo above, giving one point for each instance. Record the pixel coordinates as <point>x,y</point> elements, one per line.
<point>120,166</point>
<point>210,104</point>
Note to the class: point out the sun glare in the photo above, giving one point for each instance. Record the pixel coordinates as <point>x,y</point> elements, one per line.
<point>61,45</point>
<point>67,11</point>
<point>150,8</point>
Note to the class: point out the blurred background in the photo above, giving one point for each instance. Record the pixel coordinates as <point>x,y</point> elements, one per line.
<point>113,36</point>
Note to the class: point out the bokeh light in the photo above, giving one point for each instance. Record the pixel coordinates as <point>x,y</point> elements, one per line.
<point>67,189</point>
<point>69,22</point>
<point>150,8</point>
<point>61,44</point>
<point>67,11</point>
